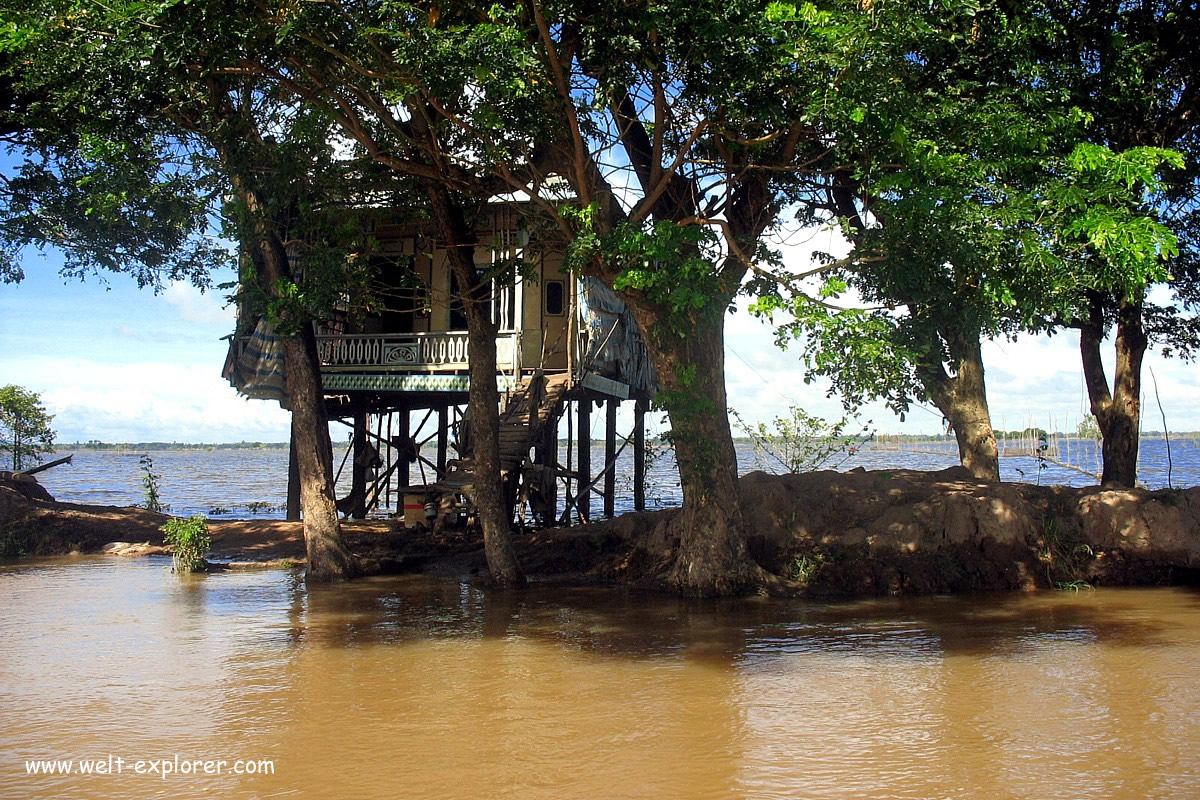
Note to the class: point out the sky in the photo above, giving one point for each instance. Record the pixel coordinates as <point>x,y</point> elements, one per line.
<point>120,364</point>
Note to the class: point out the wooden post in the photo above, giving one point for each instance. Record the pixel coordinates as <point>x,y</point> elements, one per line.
<point>405,469</point>
<point>387,462</point>
<point>583,495</point>
<point>358,465</point>
<point>569,467</point>
<point>639,455</point>
<point>549,450</point>
<point>610,457</point>
<point>293,489</point>
<point>443,440</point>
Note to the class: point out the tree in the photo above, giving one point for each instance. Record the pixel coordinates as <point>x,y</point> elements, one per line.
<point>1088,428</point>
<point>1134,67</point>
<point>405,86</point>
<point>105,190</point>
<point>164,81</point>
<point>969,193</point>
<point>25,431</point>
<point>482,98</point>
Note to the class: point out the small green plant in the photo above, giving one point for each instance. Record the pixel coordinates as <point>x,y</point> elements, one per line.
<point>191,541</point>
<point>12,540</point>
<point>150,478</point>
<point>802,441</point>
<point>287,563</point>
<point>1065,557</point>
<point>805,567</point>
<point>1075,586</point>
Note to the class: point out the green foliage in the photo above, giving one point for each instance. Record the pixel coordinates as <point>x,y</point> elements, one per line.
<point>152,497</point>
<point>190,540</point>
<point>1088,428</point>
<point>977,200</point>
<point>111,190</point>
<point>25,432</point>
<point>801,441</point>
<point>1027,433</point>
<point>1065,558</point>
<point>806,566</point>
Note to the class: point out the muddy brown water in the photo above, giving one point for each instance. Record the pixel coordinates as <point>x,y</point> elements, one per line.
<point>419,688</point>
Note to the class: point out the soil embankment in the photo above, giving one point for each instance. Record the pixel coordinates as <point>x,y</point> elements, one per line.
<point>825,533</point>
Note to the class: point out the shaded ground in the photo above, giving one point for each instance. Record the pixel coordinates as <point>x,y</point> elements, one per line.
<point>881,532</point>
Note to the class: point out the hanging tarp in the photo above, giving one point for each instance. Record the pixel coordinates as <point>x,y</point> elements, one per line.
<point>255,365</point>
<point>615,348</point>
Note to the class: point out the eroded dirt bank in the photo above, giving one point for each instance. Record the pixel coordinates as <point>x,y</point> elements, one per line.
<point>828,533</point>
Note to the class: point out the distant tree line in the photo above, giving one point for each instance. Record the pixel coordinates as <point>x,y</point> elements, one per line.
<point>96,444</point>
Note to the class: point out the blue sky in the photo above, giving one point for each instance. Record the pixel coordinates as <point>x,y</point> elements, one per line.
<point>116,363</point>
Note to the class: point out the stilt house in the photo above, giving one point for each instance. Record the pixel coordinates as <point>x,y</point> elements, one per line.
<point>398,379</point>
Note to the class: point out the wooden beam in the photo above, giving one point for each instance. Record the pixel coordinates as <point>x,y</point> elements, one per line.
<point>443,440</point>
<point>583,498</point>
<point>610,456</point>
<point>404,434</point>
<point>358,463</point>
<point>639,455</point>
<point>44,467</point>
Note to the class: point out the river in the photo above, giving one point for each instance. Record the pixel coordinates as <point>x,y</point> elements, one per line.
<point>247,484</point>
<point>412,687</point>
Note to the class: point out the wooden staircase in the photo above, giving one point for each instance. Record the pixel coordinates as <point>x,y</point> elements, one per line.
<point>532,405</point>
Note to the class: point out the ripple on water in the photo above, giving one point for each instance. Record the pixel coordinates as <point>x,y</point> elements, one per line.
<point>417,687</point>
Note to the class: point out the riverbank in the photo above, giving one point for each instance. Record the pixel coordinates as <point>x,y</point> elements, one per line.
<point>823,533</point>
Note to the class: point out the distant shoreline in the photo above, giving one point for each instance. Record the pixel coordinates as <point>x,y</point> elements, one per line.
<point>63,447</point>
<point>880,438</point>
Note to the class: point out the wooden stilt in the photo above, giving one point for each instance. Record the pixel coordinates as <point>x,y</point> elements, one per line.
<point>443,440</point>
<point>405,469</point>
<point>293,488</point>
<point>388,460</point>
<point>570,466</point>
<point>584,494</point>
<point>610,456</point>
<point>358,465</point>
<point>549,460</point>
<point>639,455</point>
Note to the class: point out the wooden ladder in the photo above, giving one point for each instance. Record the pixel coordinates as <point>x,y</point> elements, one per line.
<point>532,405</point>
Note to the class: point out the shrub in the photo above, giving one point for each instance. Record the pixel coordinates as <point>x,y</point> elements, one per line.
<point>150,482</point>
<point>191,541</point>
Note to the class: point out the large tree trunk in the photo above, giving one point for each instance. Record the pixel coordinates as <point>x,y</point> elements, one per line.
<point>962,399</point>
<point>483,398</point>
<point>1117,412</point>
<point>712,559</point>
<point>328,557</point>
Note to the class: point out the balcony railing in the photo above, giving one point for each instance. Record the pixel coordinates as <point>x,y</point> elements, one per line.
<point>405,352</point>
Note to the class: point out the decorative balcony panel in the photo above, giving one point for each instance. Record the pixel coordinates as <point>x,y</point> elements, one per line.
<point>408,352</point>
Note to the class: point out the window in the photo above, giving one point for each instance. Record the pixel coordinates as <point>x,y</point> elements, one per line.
<point>556,295</point>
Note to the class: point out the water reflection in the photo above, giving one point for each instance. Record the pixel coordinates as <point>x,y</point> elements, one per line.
<point>422,688</point>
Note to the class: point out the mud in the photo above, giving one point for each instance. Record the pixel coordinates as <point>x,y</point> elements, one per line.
<point>821,533</point>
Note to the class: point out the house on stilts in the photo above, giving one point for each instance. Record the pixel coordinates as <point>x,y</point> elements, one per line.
<point>569,354</point>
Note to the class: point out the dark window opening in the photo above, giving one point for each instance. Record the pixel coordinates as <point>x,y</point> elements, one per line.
<point>556,295</point>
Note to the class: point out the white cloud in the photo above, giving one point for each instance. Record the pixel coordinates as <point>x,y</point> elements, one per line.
<point>148,401</point>
<point>1034,380</point>
<point>196,306</point>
